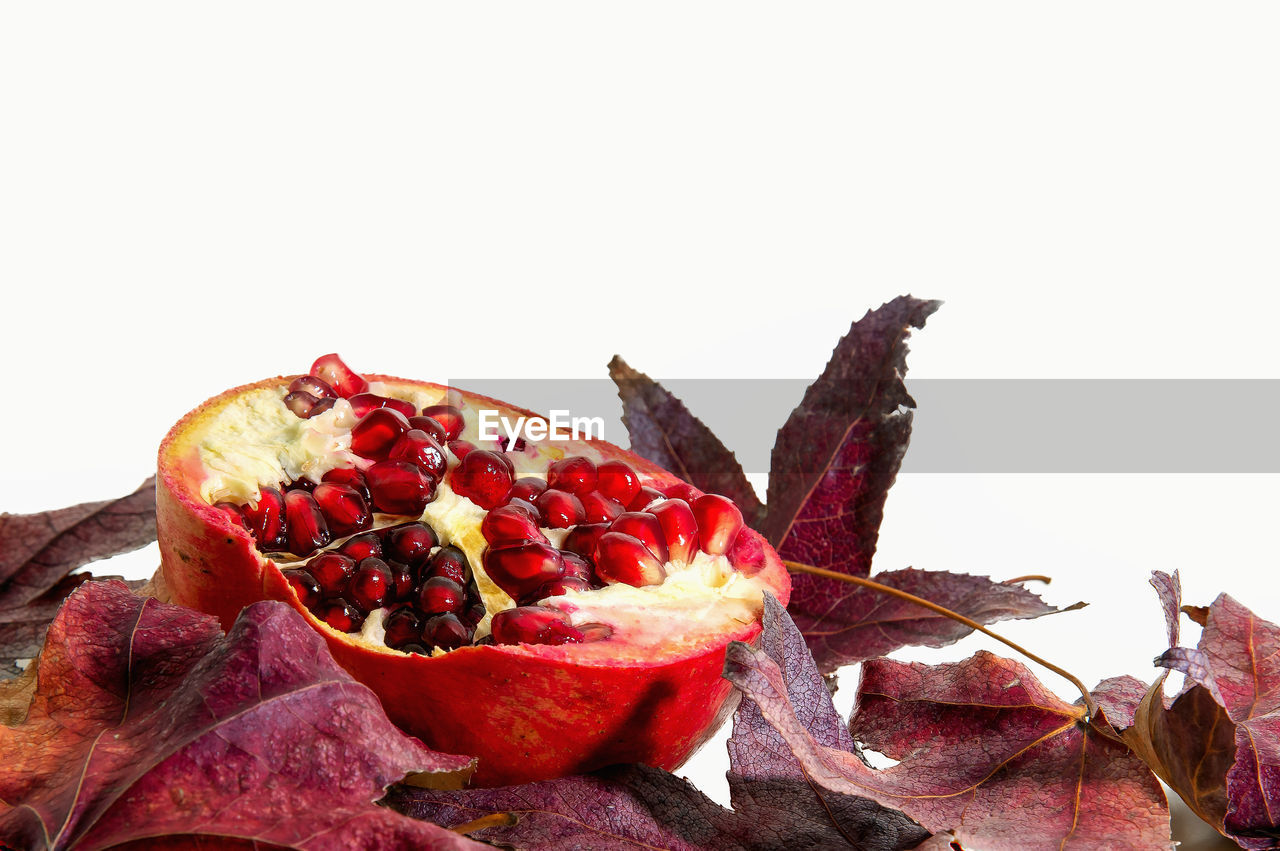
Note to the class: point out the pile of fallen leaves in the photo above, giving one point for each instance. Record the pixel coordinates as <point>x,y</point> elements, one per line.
<point>140,724</point>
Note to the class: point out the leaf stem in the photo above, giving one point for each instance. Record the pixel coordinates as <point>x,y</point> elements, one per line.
<point>1090,706</point>
<point>1031,577</point>
<point>484,822</point>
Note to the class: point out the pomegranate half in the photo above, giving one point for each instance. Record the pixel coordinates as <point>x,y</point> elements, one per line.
<point>550,607</point>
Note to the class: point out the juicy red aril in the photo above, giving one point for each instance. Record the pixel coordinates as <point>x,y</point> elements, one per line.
<point>679,528</point>
<point>533,625</point>
<point>574,474</point>
<point>343,507</point>
<point>371,584</point>
<point>682,490</point>
<point>402,580</point>
<point>233,512</point>
<point>473,615</point>
<point>559,509</point>
<point>439,596</point>
<point>527,488</point>
<point>314,385</point>
<point>301,485</point>
<point>598,508</point>
<point>558,587</point>
<point>332,570</point>
<point>341,615</point>
<point>719,522</point>
<point>411,543</point>
<point>308,530</point>
<point>622,558</point>
<point>644,498</point>
<point>582,539</point>
<point>516,521</point>
<point>403,626</point>
<point>431,426</point>
<point>639,524</point>
<point>305,586</point>
<point>266,521</point>
<point>460,448</point>
<point>449,417</point>
<point>349,476</point>
<point>377,432</point>
<point>522,569</point>
<point>482,476</point>
<point>450,563</point>
<point>362,547</point>
<point>305,406</point>
<point>418,447</point>
<point>506,462</point>
<point>616,480</point>
<point>363,403</point>
<point>576,567</point>
<point>446,631</point>
<point>399,487</point>
<point>342,378</point>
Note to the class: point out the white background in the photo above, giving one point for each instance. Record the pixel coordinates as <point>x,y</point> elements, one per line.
<point>195,197</point>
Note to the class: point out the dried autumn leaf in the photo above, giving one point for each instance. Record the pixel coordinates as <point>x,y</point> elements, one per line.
<point>984,752</point>
<point>1217,744</point>
<point>148,723</point>
<point>663,430</point>
<point>857,623</point>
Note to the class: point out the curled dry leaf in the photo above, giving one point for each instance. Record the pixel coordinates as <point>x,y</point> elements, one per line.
<point>984,752</point>
<point>39,551</point>
<point>1217,743</point>
<point>148,723</point>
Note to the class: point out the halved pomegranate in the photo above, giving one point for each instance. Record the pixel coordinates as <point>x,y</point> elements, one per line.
<point>550,609</point>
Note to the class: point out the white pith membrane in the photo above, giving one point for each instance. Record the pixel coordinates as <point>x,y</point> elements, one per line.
<point>253,440</point>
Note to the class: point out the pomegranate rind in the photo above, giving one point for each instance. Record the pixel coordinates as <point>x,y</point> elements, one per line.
<point>528,712</point>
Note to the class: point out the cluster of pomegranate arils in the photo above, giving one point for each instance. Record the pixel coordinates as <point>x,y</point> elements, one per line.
<point>620,531</point>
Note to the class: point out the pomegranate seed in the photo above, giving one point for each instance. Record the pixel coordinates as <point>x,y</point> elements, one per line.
<point>314,385</point>
<point>439,596</point>
<point>363,403</point>
<point>352,477</point>
<point>402,580</point>
<point>305,586</point>
<point>719,522</point>
<point>301,485</point>
<point>233,512</point>
<point>576,567</point>
<point>341,615</point>
<point>343,507</point>
<point>516,521</point>
<point>646,527</point>
<point>303,404</point>
<point>377,432</point>
<point>558,587</point>
<point>460,448</point>
<point>682,490</point>
<point>473,615</point>
<point>342,378</point>
<point>645,498</point>
<point>616,480</point>
<point>308,530</point>
<point>411,543</point>
<point>679,528</point>
<point>482,477</point>
<point>418,447</point>
<point>622,558</point>
<point>574,474</point>
<point>559,509</point>
<point>595,631</point>
<point>506,462</point>
<point>534,625</point>
<point>450,563</point>
<point>399,487</point>
<point>449,417</point>
<point>523,568</point>
<point>582,539</point>
<point>528,488</point>
<point>332,571</point>
<point>416,649</point>
<point>370,584</point>
<point>320,407</point>
<point>431,426</point>
<point>266,521</point>
<point>362,547</point>
<point>403,627</point>
<point>598,508</point>
<point>446,631</point>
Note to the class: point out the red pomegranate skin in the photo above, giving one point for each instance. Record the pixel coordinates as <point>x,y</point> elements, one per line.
<point>527,712</point>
